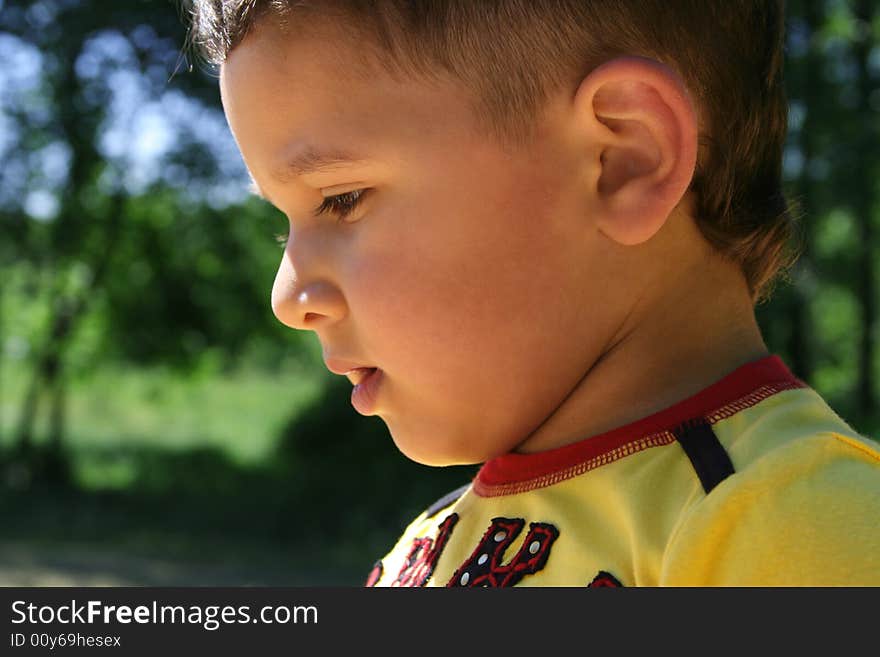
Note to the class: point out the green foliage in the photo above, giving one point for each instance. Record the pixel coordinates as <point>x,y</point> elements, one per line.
<point>835,314</point>
<point>191,278</point>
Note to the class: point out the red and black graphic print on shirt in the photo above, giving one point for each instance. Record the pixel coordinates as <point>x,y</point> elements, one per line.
<point>422,558</point>
<point>484,567</point>
<point>604,579</point>
<point>375,574</point>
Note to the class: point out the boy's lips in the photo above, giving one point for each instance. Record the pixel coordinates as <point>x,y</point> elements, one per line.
<point>367,382</point>
<point>354,371</point>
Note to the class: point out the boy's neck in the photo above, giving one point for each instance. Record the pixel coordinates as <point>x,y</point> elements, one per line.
<point>670,347</point>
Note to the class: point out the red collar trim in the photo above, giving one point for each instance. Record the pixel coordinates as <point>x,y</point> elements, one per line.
<point>742,388</point>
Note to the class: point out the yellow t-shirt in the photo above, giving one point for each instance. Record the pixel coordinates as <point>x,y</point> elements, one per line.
<point>754,481</point>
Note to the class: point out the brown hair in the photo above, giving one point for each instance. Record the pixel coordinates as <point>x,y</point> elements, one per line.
<point>512,54</point>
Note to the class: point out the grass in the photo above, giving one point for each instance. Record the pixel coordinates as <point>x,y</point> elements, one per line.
<point>240,414</point>
<point>169,485</point>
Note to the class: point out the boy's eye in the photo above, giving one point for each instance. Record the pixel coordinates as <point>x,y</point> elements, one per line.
<point>341,205</point>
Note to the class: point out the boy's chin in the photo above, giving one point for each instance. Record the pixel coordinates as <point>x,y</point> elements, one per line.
<point>438,450</point>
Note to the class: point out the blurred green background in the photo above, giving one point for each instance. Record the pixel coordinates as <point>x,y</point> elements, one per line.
<point>158,426</point>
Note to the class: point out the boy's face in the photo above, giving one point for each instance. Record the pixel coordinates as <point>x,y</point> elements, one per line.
<point>471,277</point>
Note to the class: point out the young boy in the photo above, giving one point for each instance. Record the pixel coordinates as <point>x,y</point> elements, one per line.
<point>532,235</point>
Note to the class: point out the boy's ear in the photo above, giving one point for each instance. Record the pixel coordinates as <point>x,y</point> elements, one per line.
<point>641,128</point>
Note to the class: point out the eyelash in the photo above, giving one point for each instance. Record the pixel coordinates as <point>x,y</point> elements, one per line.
<point>342,205</point>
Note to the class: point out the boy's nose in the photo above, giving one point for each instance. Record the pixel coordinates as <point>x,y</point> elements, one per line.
<point>305,304</point>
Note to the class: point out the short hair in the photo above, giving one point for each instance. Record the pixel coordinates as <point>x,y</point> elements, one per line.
<point>512,54</point>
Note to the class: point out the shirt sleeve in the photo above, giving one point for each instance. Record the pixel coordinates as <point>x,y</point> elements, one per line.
<point>805,515</point>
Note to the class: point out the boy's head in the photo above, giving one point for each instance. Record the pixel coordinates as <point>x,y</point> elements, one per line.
<point>507,181</point>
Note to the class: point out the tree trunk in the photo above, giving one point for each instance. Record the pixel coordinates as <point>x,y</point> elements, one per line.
<point>24,434</point>
<point>49,371</point>
<point>57,469</point>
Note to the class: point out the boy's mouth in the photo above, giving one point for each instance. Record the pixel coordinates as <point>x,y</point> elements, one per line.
<point>366,381</point>
<point>354,371</point>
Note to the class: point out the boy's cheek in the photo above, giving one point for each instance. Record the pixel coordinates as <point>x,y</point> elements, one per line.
<point>397,310</point>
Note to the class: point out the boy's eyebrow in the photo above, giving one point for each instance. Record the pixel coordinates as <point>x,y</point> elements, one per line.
<point>304,160</point>
<point>309,159</point>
